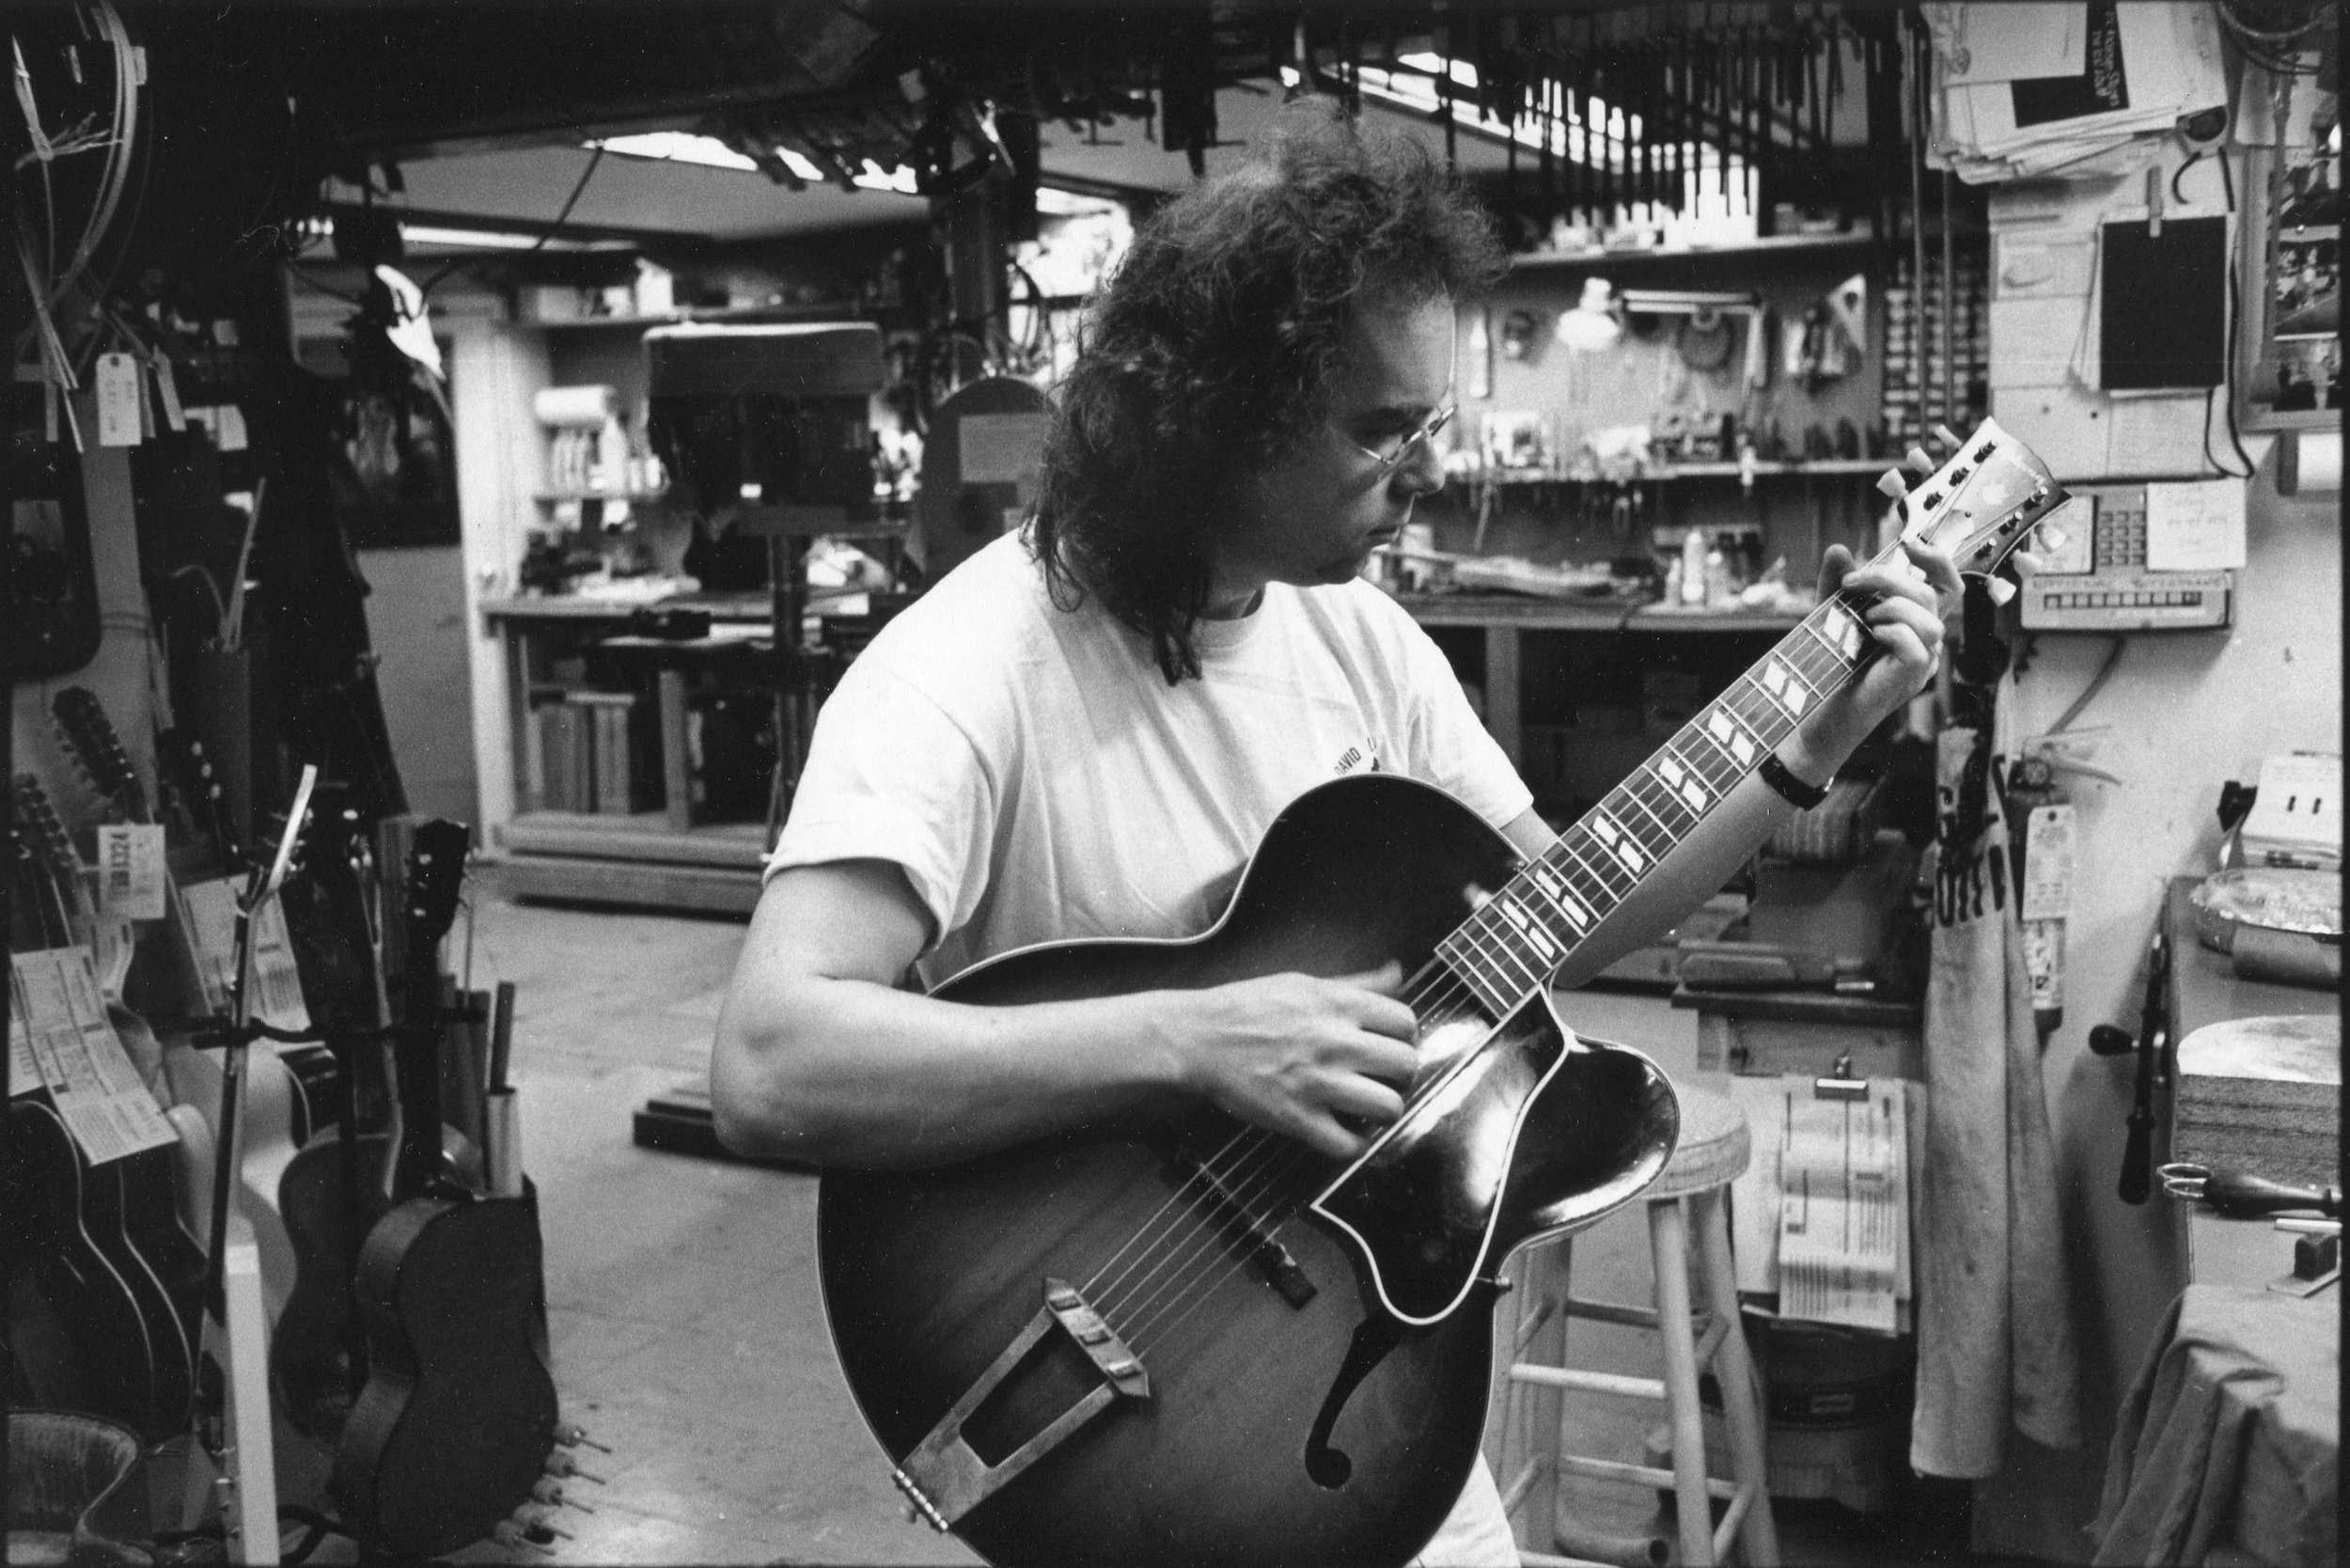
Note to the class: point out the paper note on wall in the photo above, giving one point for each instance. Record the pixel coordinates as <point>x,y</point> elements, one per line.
<point>2195,528</point>
<point>2157,436</point>
<point>1839,1221</point>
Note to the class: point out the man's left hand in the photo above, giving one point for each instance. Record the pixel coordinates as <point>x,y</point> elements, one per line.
<point>1913,596</point>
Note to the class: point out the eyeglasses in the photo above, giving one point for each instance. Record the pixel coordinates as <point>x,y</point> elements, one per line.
<point>1390,454</point>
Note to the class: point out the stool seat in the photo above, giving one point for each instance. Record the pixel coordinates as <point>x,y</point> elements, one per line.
<point>1714,1146</point>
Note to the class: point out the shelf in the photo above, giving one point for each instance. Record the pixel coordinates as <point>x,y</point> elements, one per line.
<point>634,496</point>
<point>741,316</point>
<point>1690,471</point>
<point>1776,244</point>
<point>1527,613</point>
<point>641,836</point>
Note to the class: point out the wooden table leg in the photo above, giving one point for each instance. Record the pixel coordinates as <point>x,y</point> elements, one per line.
<point>676,774</point>
<point>1501,691</point>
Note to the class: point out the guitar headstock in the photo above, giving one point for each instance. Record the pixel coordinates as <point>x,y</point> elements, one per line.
<point>262,882</point>
<point>436,874</point>
<point>1982,503</point>
<point>89,735</point>
<point>185,770</point>
<point>44,849</point>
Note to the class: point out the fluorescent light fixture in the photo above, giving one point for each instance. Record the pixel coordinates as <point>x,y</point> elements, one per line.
<point>683,147</point>
<point>480,238</point>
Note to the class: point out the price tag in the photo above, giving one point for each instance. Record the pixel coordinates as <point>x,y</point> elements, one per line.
<point>130,871</point>
<point>77,1055</point>
<point>231,428</point>
<point>2044,963</point>
<point>167,387</point>
<point>2048,849</point>
<point>23,1071</point>
<point>118,400</point>
<point>277,998</point>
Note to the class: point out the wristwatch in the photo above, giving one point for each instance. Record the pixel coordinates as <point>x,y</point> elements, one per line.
<point>1790,789</point>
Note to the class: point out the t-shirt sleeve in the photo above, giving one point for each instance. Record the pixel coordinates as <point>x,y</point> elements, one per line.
<point>1450,746</point>
<point>890,775</point>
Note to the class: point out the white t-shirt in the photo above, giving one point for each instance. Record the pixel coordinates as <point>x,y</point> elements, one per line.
<point>1037,777</point>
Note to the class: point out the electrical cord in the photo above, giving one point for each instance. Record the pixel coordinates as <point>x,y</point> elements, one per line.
<point>2096,684</point>
<point>594,161</point>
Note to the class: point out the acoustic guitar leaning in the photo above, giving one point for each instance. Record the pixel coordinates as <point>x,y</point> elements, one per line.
<point>1127,1348</point>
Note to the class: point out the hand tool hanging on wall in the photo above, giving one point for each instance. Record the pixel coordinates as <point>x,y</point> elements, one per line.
<point>2151,1044</point>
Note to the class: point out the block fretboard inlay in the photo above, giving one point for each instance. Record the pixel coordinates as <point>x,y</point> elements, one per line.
<point>1518,936</point>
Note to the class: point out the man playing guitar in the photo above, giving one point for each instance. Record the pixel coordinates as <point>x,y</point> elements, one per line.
<point>1085,730</point>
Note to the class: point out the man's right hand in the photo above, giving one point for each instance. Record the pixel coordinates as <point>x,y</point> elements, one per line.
<point>1299,1055</point>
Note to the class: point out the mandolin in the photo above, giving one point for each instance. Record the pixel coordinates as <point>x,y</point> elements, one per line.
<point>1203,1342</point>
<point>458,1414</point>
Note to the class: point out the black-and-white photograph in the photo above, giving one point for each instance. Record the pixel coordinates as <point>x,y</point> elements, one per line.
<point>1447,783</point>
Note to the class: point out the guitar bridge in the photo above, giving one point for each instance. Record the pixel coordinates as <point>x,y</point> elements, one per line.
<point>945,1478</point>
<point>1249,1235</point>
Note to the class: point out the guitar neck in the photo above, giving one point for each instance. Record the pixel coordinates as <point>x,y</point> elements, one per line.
<point>1520,936</point>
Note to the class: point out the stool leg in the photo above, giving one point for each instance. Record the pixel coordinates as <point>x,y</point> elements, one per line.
<point>1668,1239</point>
<point>1531,1415</point>
<point>1733,1369</point>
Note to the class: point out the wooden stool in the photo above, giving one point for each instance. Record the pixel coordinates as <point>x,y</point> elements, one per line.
<point>1689,1196</point>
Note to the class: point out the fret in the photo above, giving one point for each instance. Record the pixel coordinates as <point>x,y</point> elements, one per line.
<point>1547,881</point>
<point>1779,682</point>
<point>1731,732</point>
<point>1545,949</point>
<point>1621,842</point>
<point>1683,782</point>
<point>1464,944</point>
<point>1601,868</point>
<point>1662,804</point>
<point>1585,878</point>
<point>1720,774</point>
<point>1491,994</point>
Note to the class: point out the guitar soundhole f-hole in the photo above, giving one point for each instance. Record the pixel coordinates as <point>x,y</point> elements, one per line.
<point>1053,1377</point>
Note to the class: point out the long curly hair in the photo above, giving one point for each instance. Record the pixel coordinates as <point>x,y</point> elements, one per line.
<point>1212,351</point>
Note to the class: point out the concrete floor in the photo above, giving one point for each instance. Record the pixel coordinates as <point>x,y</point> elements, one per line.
<point>688,1335</point>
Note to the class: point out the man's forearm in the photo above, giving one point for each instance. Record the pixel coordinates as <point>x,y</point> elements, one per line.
<point>852,1072</point>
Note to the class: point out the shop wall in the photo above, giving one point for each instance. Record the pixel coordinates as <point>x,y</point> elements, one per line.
<point>2184,712</point>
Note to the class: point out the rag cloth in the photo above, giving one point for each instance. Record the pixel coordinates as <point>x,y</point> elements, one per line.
<point>2229,1435</point>
<point>1995,1341</point>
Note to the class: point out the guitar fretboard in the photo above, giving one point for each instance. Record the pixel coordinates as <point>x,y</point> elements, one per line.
<point>1520,935</point>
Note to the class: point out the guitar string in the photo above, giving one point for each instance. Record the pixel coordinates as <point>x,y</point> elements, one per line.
<point>1145,1307</point>
<point>1196,1291</point>
<point>1181,1243</point>
<point>1149,1315</point>
<point>1223,1169</point>
<point>1445,994</point>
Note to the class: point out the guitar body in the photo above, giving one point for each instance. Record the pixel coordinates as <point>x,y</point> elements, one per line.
<point>309,1365</point>
<point>58,1224</point>
<point>459,1412</point>
<point>279,1090</point>
<point>1340,1426</point>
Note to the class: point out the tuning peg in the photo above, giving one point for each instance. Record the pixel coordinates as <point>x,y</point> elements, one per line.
<point>1918,459</point>
<point>564,1465</point>
<point>2049,536</point>
<point>1948,436</point>
<point>509,1534</point>
<point>571,1436</point>
<point>2000,589</point>
<point>546,1489</point>
<point>1892,484</point>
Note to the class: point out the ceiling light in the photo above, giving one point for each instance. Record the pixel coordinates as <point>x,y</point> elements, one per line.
<point>481,239</point>
<point>683,147</point>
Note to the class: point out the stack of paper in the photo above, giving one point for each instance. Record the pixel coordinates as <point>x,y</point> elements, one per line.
<point>1821,1214</point>
<point>2026,90</point>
